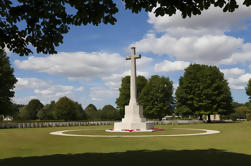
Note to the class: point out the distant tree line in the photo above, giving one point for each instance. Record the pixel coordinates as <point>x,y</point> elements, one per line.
<point>64,109</point>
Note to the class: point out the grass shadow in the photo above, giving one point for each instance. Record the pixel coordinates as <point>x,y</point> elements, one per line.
<point>212,157</point>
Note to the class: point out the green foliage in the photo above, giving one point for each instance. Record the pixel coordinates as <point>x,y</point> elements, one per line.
<point>124,95</point>
<point>7,83</point>
<point>187,8</point>
<point>236,105</point>
<point>248,90</point>
<point>204,91</point>
<point>14,110</point>
<point>45,22</point>
<point>91,112</point>
<point>141,82</point>
<point>108,112</point>
<point>124,92</point>
<point>156,97</point>
<point>66,109</point>
<point>90,107</point>
<point>240,112</point>
<point>46,112</point>
<point>29,112</point>
<point>184,111</point>
<point>248,117</point>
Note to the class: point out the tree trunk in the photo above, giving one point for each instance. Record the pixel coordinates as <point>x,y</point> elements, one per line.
<point>200,117</point>
<point>208,119</point>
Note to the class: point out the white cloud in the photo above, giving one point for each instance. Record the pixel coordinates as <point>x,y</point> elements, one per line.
<point>82,65</point>
<point>99,93</point>
<point>200,39</point>
<point>44,91</point>
<point>23,99</point>
<point>75,65</point>
<point>233,72</point>
<point>144,61</point>
<point>30,83</point>
<point>245,77</point>
<point>114,81</point>
<point>169,66</point>
<point>239,82</point>
<point>241,56</point>
<point>237,78</point>
<point>207,49</point>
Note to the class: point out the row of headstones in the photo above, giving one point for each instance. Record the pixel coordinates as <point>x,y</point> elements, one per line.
<point>52,124</point>
<point>65,124</point>
<point>164,122</point>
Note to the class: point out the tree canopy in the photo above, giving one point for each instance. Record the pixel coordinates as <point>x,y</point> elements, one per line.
<point>7,83</point>
<point>108,112</point>
<point>46,112</point>
<point>91,108</point>
<point>29,112</point>
<point>124,91</point>
<point>42,23</point>
<point>248,90</point>
<point>203,91</point>
<point>66,109</point>
<point>156,97</point>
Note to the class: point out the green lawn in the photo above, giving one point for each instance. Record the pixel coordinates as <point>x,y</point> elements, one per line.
<point>36,147</point>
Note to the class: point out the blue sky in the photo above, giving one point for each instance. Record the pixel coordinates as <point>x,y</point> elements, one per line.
<point>91,62</point>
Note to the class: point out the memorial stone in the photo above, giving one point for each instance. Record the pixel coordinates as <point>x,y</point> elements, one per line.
<point>133,119</point>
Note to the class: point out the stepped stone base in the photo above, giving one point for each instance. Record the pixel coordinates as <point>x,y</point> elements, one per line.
<point>133,120</point>
<point>142,126</point>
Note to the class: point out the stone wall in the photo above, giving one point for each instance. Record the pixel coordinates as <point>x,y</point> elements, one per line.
<point>66,124</point>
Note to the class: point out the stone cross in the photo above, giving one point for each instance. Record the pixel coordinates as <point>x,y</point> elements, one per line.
<point>133,87</point>
<point>134,118</point>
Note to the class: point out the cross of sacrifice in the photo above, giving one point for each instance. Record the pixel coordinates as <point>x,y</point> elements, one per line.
<point>133,88</point>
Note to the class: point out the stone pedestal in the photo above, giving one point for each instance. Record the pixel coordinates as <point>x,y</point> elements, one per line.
<point>133,120</point>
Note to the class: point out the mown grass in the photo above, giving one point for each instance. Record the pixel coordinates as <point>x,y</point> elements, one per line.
<point>231,146</point>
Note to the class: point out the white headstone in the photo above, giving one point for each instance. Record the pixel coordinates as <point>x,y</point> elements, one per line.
<point>133,119</point>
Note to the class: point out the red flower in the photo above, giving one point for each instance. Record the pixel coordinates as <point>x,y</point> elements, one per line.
<point>157,129</point>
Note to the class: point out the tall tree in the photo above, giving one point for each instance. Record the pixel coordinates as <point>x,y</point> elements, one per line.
<point>29,112</point>
<point>42,23</point>
<point>91,108</point>
<point>46,113</point>
<point>204,91</point>
<point>124,91</point>
<point>66,109</point>
<point>7,83</point>
<point>156,97</point>
<point>108,112</point>
<point>248,89</point>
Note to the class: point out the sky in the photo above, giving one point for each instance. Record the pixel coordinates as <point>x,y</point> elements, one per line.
<point>90,63</point>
